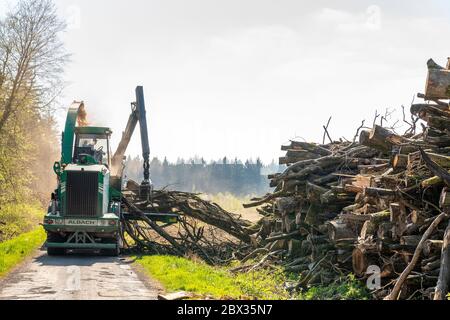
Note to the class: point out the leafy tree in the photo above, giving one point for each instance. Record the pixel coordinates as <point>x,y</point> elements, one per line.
<point>32,58</point>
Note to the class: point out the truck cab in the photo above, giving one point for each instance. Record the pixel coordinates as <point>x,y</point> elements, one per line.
<point>92,146</point>
<point>83,213</point>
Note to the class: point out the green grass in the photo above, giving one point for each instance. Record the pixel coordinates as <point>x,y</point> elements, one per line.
<point>16,219</point>
<point>181,274</point>
<point>16,250</point>
<point>348,288</point>
<point>19,236</point>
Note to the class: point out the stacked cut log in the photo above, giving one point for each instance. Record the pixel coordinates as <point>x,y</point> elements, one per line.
<point>376,207</point>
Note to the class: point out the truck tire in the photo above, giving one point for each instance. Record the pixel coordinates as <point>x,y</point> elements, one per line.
<point>112,252</point>
<point>54,237</point>
<point>56,251</point>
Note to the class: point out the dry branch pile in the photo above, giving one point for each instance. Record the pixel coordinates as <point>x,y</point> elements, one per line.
<point>379,205</point>
<point>204,228</point>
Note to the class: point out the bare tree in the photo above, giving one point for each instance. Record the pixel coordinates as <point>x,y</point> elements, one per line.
<point>32,57</point>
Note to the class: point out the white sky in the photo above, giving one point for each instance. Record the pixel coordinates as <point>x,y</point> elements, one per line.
<point>239,78</point>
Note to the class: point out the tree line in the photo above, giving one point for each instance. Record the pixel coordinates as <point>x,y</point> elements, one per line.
<point>32,58</point>
<point>197,175</point>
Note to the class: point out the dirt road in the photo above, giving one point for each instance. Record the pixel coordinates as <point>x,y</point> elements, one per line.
<point>76,277</point>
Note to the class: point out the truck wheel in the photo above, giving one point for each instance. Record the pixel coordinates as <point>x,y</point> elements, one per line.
<point>54,237</point>
<point>112,252</point>
<point>56,251</point>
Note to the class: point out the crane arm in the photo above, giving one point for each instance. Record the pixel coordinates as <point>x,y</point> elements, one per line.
<point>138,114</point>
<point>116,162</point>
<point>141,113</point>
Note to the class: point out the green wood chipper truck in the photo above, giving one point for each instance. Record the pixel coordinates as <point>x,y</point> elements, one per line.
<point>86,209</point>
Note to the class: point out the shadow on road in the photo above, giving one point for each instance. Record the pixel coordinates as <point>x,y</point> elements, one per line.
<point>75,259</point>
<point>77,276</point>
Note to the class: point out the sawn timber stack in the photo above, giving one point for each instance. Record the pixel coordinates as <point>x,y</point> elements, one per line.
<point>377,206</point>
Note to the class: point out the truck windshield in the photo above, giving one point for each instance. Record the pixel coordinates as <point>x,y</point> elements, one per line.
<point>95,145</point>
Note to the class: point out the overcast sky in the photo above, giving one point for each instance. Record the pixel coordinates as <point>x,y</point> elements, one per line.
<point>239,78</point>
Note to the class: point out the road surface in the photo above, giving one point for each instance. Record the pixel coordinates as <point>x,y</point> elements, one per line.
<point>77,277</point>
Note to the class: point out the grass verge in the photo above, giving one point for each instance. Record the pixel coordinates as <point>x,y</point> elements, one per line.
<point>181,274</point>
<point>16,250</point>
<point>347,288</point>
<point>16,219</point>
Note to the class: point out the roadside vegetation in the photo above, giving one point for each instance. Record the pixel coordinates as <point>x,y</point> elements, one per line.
<point>31,65</point>
<point>181,274</point>
<point>20,234</point>
<point>16,219</point>
<point>16,250</point>
<point>347,288</point>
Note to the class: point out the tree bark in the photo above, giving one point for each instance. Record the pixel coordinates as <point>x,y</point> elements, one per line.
<point>444,273</point>
<point>440,123</point>
<point>398,285</point>
<point>438,84</point>
<point>400,162</point>
<point>361,260</point>
<point>432,247</point>
<point>338,230</point>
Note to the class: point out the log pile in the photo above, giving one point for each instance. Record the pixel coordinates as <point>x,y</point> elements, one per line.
<point>378,206</point>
